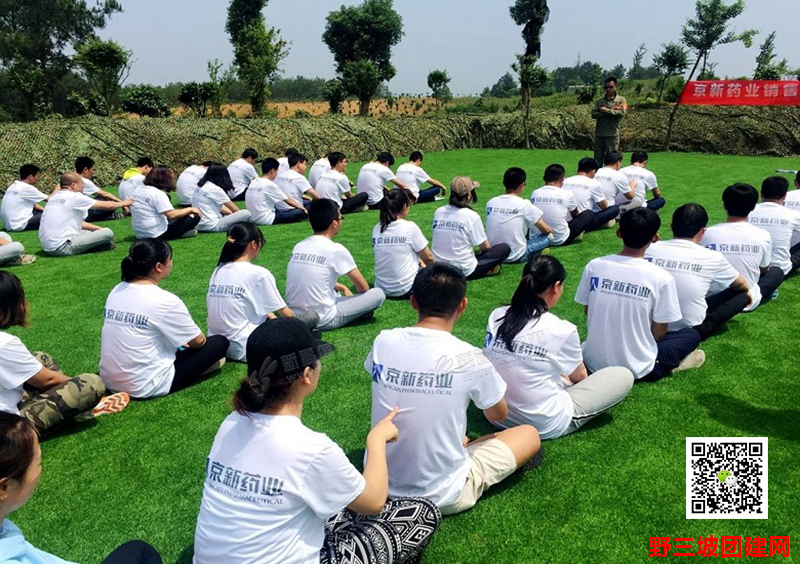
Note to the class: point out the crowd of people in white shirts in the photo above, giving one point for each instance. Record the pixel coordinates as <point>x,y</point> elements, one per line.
<point>648,308</point>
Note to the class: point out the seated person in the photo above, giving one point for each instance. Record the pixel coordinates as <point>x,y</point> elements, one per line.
<point>792,200</point>
<point>84,167</point>
<point>412,174</point>
<point>457,230</point>
<point>557,204</point>
<point>318,168</point>
<point>217,211</point>
<point>644,180</point>
<point>537,354</point>
<point>630,302</point>
<point>187,182</point>
<point>748,248</point>
<point>134,177</point>
<point>242,295</point>
<point>150,346</point>
<point>710,290</point>
<point>618,189</point>
<point>315,265</point>
<point>515,221</point>
<point>152,214</point>
<point>335,186</point>
<point>294,184</point>
<point>32,385</point>
<point>63,231</point>
<point>399,247</point>
<point>372,179</point>
<point>329,511</point>
<point>242,174</point>
<point>20,209</point>
<point>263,196</point>
<point>283,162</point>
<point>782,223</point>
<point>13,253</point>
<point>432,457</point>
<point>589,194</point>
<point>20,470</point>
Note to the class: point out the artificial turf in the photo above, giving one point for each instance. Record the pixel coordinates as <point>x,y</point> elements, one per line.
<point>600,494</point>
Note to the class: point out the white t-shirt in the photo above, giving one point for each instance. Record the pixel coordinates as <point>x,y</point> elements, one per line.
<point>625,296</point>
<point>371,179</point>
<point>783,225</point>
<point>283,164</point>
<point>261,198</point>
<point>587,191</point>
<point>792,200</point>
<point>455,232</point>
<point>314,268</point>
<point>147,212</point>
<point>240,296</point>
<point>271,484</point>
<point>396,256</point>
<point>17,366</point>
<point>320,167</point>
<point>508,219</point>
<point>128,186</point>
<point>16,208</point>
<point>431,375</point>
<point>698,273</point>
<point>63,217</point>
<point>242,174</point>
<point>615,185</point>
<point>209,199</point>
<point>89,187</point>
<point>545,350</point>
<point>332,185</point>
<point>293,185</point>
<point>143,328</point>
<point>413,176</point>
<point>645,181</point>
<point>748,248</point>
<point>187,183</point>
<point>556,204</point>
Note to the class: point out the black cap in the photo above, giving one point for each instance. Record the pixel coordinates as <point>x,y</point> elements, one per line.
<point>289,343</point>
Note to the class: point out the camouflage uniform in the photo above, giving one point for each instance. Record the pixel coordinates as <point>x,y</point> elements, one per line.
<point>73,399</point>
<point>606,136</point>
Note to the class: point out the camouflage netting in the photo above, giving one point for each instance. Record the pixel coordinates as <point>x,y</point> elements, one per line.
<point>116,143</point>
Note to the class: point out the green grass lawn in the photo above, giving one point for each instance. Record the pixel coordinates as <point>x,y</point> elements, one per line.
<point>600,493</point>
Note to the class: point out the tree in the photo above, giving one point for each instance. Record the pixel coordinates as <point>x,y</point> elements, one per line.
<point>532,14</point>
<point>33,38</point>
<point>766,67</point>
<point>591,73</point>
<point>505,87</point>
<point>361,39</point>
<point>145,100</point>
<point>531,78</point>
<point>335,93</point>
<point>706,31</point>
<point>257,49</point>
<point>438,82</point>
<point>106,65</point>
<point>220,82</point>
<point>673,60</point>
<point>196,96</point>
<point>618,71</point>
<point>637,70</point>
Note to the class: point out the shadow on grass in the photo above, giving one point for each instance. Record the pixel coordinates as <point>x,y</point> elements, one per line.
<point>773,423</point>
<point>186,555</point>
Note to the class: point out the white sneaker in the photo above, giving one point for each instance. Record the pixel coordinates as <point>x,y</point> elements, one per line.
<point>438,198</point>
<point>694,359</point>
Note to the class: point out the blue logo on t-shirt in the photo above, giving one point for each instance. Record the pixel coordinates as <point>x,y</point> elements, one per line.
<point>594,283</point>
<point>377,369</point>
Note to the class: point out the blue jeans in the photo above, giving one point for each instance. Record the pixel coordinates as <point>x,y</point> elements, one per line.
<point>428,195</point>
<point>656,203</point>
<point>604,216</point>
<point>535,244</point>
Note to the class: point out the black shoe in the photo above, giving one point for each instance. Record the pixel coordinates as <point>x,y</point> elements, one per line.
<point>534,462</point>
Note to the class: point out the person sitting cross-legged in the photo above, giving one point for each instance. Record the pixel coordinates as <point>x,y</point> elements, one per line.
<point>134,177</point>
<point>264,194</point>
<point>152,214</point>
<point>335,186</point>
<point>217,211</point>
<point>84,167</point>
<point>294,184</point>
<point>414,176</point>
<point>12,253</point>
<point>20,209</point>
<point>557,205</point>
<point>782,223</point>
<point>644,180</point>
<point>372,179</point>
<point>589,194</point>
<point>432,376</point>
<point>619,191</point>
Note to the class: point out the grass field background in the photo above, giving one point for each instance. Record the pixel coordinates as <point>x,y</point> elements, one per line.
<point>600,493</point>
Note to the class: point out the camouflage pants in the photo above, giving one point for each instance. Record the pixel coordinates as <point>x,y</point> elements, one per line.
<point>46,410</point>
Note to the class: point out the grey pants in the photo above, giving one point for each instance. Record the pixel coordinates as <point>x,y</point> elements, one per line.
<point>85,242</point>
<point>352,307</point>
<point>242,216</point>
<point>603,145</point>
<point>598,393</point>
<point>11,252</point>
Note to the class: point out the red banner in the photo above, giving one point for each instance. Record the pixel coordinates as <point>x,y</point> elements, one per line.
<point>742,93</point>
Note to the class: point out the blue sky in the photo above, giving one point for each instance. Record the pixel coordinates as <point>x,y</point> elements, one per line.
<point>474,40</point>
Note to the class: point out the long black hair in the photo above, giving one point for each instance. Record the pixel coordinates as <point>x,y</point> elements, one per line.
<point>143,255</point>
<point>392,204</point>
<point>218,175</point>
<point>17,446</point>
<point>539,274</point>
<point>239,236</point>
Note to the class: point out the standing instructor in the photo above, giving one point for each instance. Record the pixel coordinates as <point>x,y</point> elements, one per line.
<point>608,111</point>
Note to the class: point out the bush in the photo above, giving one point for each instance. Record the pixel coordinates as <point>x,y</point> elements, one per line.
<point>302,114</point>
<point>146,101</point>
<point>587,94</point>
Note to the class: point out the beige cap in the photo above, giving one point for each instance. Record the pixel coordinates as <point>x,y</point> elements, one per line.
<point>463,185</point>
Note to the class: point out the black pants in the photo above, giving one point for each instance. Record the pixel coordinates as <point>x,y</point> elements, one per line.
<point>179,227</point>
<point>240,197</point>
<point>134,552</point>
<point>487,260</point>
<point>352,204</point>
<point>602,217</point>
<point>769,282</point>
<point>293,215</point>
<point>34,221</point>
<point>428,195</point>
<point>656,203</point>
<point>190,364</point>
<point>721,308</point>
<point>794,252</point>
<point>672,349</point>
<point>101,215</point>
<point>374,206</point>
<point>578,225</point>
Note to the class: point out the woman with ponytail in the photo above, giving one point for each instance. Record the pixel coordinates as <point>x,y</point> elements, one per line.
<point>299,499</point>
<point>539,357</point>
<point>150,346</point>
<point>241,295</point>
<point>399,246</point>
